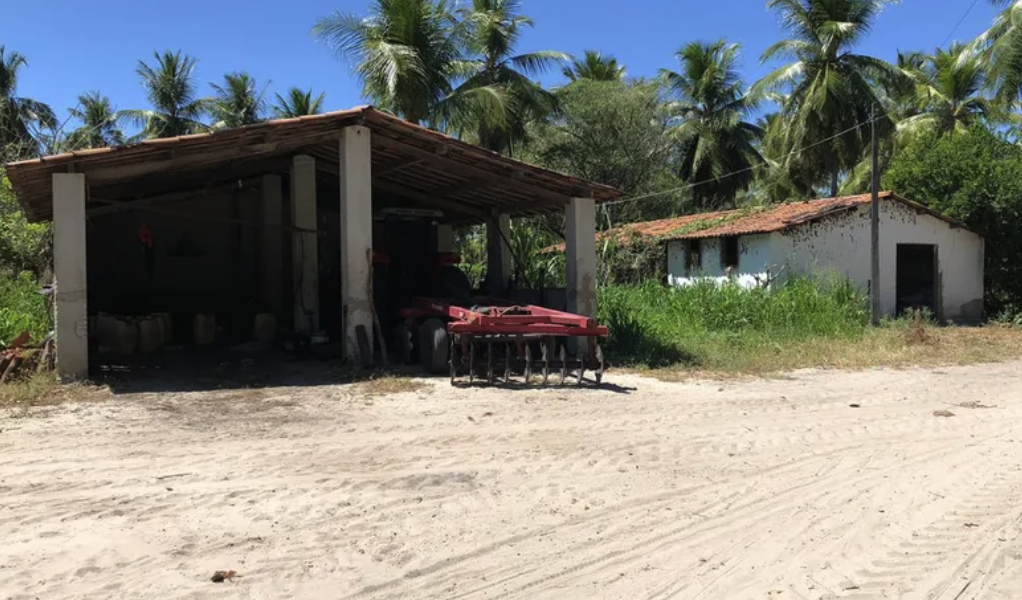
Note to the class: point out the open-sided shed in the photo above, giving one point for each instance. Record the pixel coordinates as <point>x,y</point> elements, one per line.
<point>280,217</point>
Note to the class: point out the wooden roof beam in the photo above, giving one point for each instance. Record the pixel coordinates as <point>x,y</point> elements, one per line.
<point>396,166</point>
<point>429,200</point>
<point>426,198</point>
<point>475,172</point>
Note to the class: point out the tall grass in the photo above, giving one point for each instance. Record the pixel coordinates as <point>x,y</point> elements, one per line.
<point>22,308</point>
<point>710,324</point>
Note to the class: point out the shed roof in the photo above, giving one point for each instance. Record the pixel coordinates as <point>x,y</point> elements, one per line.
<point>777,217</point>
<point>408,160</point>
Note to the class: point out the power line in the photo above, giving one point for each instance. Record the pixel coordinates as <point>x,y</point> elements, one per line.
<point>960,21</point>
<point>793,152</point>
<point>740,171</point>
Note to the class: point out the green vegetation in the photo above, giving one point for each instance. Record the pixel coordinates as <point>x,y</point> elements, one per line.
<point>23,253</point>
<point>709,325</point>
<point>712,132</point>
<point>22,308</point>
<point>976,178</point>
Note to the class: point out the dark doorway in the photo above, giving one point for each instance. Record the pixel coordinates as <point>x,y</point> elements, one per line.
<point>916,285</point>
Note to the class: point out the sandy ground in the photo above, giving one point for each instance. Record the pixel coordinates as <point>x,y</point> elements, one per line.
<point>760,489</point>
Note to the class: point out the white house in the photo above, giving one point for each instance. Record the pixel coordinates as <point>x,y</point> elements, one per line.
<point>926,259</point>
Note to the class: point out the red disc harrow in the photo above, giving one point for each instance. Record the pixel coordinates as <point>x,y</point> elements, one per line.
<point>495,341</point>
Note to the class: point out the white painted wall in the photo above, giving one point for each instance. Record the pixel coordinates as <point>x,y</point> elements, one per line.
<point>840,246</point>
<point>755,258</point>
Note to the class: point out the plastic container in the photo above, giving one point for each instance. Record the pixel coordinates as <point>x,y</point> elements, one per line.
<point>168,327</point>
<point>265,327</point>
<point>204,329</point>
<point>123,336</point>
<point>150,335</point>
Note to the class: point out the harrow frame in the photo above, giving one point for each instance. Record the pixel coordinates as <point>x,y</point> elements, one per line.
<point>522,339</point>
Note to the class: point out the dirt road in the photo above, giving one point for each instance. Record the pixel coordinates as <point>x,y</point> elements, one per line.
<point>761,489</point>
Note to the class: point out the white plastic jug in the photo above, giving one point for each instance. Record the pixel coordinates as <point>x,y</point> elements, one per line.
<point>265,327</point>
<point>204,329</point>
<point>168,327</point>
<point>150,335</point>
<point>124,335</point>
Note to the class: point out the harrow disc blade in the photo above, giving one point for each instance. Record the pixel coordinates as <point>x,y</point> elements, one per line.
<point>454,358</point>
<point>490,373</point>
<point>546,362</point>
<point>507,363</point>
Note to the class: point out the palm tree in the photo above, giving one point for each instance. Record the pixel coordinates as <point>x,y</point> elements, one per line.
<point>297,103</point>
<point>1002,49</point>
<point>19,115</point>
<point>237,102</point>
<point>716,142</point>
<point>831,92</point>
<point>99,128</point>
<point>596,67</point>
<point>170,88</point>
<point>945,94</point>
<point>773,182</point>
<point>493,29</point>
<point>407,53</point>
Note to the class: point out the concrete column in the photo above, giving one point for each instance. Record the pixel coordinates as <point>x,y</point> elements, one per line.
<point>271,246</point>
<point>445,239</point>
<point>499,262</point>
<point>305,252</point>
<point>356,236</point>
<point>581,256</point>
<point>70,270</point>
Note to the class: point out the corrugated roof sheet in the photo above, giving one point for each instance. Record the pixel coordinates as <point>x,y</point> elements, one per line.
<point>421,160</point>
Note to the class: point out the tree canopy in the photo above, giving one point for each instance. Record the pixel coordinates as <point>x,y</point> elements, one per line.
<point>976,178</point>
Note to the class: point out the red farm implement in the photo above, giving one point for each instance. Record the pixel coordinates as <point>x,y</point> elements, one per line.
<point>494,340</point>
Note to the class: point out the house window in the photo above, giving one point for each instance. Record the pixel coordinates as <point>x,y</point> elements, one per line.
<point>693,255</point>
<point>729,253</point>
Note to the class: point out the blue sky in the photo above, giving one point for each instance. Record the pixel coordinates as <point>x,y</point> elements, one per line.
<point>74,45</point>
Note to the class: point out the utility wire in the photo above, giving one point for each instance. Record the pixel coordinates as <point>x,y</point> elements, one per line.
<point>740,171</point>
<point>793,152</point>
<point>960,21</point>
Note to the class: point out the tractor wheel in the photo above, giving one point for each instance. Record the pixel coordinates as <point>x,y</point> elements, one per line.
<point>402,343</point>
<point>433,347</point>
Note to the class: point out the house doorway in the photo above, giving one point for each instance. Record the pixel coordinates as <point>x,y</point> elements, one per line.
<point>916,283</point>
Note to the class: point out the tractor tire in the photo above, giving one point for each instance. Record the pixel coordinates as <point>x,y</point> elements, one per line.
<point>434,347</point>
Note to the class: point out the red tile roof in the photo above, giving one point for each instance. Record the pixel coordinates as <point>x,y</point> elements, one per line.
<point>768,219</point>
<point>747,221</point>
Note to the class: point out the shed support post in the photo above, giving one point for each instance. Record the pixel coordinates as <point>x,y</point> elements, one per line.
<point>356,180</point>
<point>70,270</point>
<point>305,245</point>
<point>498,254</point>
<point>581,258</point>
<point>271,244</point>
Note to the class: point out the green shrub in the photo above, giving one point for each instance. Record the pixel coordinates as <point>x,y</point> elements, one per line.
<point>975,177</point>
<point>23,246</point>
<point>22,308</point>
<point>653,325</point>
